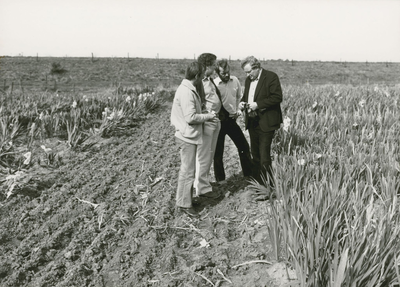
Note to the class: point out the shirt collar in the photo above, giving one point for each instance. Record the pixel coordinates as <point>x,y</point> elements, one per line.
<point>259,75</point>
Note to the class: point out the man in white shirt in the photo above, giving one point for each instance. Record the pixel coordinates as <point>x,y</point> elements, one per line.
<point>231,94</point>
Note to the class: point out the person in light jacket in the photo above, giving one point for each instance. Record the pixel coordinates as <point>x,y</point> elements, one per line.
<point>187,118</point>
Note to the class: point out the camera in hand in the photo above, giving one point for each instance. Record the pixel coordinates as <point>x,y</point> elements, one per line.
<point>249,111</point>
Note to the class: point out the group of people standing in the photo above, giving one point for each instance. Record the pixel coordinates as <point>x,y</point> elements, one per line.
<point>204,111</point>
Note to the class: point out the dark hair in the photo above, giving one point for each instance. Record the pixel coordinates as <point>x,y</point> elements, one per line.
<point>206,59</point>
<point>223,63</point>
<point>254,63</point>
<point>193,70</point>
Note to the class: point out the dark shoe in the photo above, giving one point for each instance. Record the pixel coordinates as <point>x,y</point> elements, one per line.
<point>188,211</point>
<point>210,194</point>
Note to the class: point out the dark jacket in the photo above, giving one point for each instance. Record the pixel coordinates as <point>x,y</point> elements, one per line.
<point>268,96</point>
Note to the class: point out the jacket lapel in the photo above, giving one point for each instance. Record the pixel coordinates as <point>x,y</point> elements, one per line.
<point>259,84</point>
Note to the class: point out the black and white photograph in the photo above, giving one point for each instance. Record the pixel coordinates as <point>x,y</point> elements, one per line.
<point>195,143</point>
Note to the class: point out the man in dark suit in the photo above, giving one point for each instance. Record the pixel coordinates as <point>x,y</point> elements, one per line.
<point>261,104</point>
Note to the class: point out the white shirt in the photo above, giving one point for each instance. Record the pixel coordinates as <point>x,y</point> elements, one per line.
<point>252,89</point>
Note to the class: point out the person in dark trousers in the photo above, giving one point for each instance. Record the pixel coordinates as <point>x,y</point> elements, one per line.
<point>231,94</point>
<point>263,116</point>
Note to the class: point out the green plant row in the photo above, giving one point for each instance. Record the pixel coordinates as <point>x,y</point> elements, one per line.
<point>336,215</point>
<point>27,120</point>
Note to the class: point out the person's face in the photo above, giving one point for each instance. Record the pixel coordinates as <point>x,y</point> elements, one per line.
<point>252,73</point>
<point>224,74</point>
<point>211,69</point>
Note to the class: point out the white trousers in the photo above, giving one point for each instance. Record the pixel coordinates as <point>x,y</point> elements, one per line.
<point>205,155</point>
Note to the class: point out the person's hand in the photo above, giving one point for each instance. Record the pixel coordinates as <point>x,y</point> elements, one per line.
<point>213,117</point>
<point>253,106</point>
<point>242,105</point>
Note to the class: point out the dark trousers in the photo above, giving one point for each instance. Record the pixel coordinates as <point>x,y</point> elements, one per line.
<point>230,127</point>
<point>261,151</point>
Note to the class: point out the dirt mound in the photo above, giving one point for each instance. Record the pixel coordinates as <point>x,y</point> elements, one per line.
<point>106,217</point>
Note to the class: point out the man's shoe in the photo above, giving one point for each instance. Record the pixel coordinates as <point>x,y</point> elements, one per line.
<point>210,194</point>
<point>188,211</point>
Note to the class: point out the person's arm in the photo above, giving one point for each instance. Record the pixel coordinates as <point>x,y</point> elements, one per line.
<point>188,104</point>
<point>239,94</point>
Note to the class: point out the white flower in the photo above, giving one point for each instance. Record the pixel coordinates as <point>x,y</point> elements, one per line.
<point>301,162</point>
<point>318,156</point>
<point>46,150</point>
<point>204,243</point>
<point>286,123</point>
<point>376,88</point>
<point>128,99</point>
<point>74,104</point>
<point>337,94</point>
<point>111,117</point>
<point>28,157</point>
<point>315,105</point>
<point>362,103</point>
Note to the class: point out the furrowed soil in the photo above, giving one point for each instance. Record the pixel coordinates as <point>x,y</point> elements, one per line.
<point>107,217</point>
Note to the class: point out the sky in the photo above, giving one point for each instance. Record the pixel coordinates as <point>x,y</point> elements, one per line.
<point>302,30</point>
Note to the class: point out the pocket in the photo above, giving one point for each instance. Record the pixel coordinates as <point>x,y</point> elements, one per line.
<point>191,131</point>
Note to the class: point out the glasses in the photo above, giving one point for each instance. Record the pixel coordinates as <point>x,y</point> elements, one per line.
<point>249,72</point>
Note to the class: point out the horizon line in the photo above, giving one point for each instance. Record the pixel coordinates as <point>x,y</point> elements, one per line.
<point>185,58</point>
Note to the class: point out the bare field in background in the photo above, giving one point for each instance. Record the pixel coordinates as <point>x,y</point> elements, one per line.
<point>85,74</point>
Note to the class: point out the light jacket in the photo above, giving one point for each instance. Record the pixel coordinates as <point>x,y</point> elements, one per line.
<point>186,114</point>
